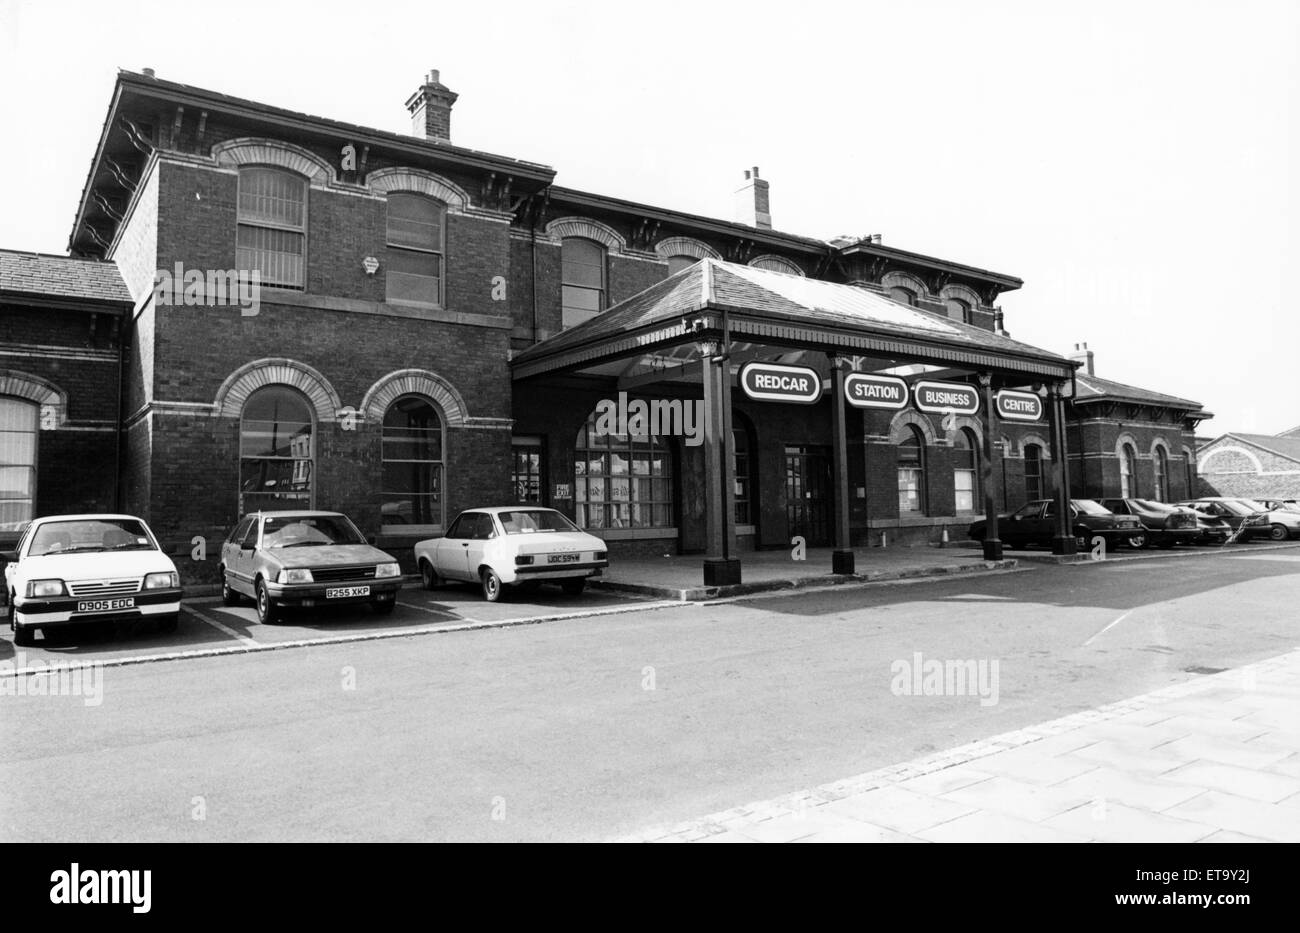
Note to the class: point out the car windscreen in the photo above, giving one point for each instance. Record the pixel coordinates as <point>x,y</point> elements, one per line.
<point>309,531</point>
<point>89,534</point>
<point>1233,507</point>
<point>1152,506</point>
<point>1089,507</point>
<point>533,521</point>
<point>1253,505</point>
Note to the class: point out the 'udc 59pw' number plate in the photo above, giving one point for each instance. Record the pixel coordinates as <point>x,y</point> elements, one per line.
<point>343,592</point>
<point>563,558</point>
<point>105,605</point>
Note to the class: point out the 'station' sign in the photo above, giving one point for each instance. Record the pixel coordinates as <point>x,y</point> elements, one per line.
<point>863,390</point>
<point>940,398</point>
<point>1018,406</point>
<point>772,382</point>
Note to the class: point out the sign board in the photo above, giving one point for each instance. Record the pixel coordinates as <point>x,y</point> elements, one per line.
<point>863,390</point>
<point>1018,406</point>
<point>942,398</point>
<point>772,382</point>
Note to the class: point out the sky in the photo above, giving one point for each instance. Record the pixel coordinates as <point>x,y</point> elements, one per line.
<point>1135,163</point>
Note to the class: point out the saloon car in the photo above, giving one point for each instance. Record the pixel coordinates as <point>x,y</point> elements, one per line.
<point>76,568</point>
<point>1231,511</point>
<point>512,546</point>
<point>305,559</point>
<point>1035,523</point>
<point>1165,525</point>
<point>1272,523</point>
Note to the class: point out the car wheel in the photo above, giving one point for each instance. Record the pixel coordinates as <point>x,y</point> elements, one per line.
<point>573,587</point>
<point>492,588</point>
<point>384,608</point>
<point>228,596</point>
<point>1279,533</point>
<point>167,624</point>
<point>1138,542</point>
<point>268,613</point>
<point>429,577</point>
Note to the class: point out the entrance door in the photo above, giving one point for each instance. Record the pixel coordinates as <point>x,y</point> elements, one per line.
<point>808,494</point>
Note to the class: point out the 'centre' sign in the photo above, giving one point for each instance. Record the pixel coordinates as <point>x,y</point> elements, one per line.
<point>940,398</point>
<point>772,382</point>
<point>869,391</point>
<point>1018,406</point>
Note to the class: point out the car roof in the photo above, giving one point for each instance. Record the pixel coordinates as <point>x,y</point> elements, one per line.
<point>498,509</point>
<point>292,513</point>
<point>87,516</point>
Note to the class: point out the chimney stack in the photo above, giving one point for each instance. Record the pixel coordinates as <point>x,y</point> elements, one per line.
<point>430,109</point>
<point>752,205</point>
<point>1083,355</point>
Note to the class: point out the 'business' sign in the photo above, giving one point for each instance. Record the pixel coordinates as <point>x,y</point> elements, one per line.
<point>772,382</point>
<point>940,398</point>
<point>868,391</point>
<point>1018,406</point>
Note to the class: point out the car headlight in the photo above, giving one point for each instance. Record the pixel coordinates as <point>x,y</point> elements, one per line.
<point>45,588</point>
<point>388,570</point>
<point>160,581</point>
<point>296,575</point>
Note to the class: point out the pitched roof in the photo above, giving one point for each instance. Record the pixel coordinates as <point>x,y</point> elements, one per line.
<point>40,276</point>
<point>1290,432</point>
<point>1288,447</point>
<point>786,300</point>
<point>1095,389</point>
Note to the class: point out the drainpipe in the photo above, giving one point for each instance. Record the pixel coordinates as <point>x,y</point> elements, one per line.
<point>122,332</point>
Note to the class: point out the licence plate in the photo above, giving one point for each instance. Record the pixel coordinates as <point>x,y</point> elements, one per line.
<point>105,605</point>
<point>563,558</point>
<point>343,592</point>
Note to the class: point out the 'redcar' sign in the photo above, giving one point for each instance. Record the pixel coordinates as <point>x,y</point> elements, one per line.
<point>772,382</point>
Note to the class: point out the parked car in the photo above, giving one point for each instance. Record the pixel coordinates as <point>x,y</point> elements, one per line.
<point>73,568</point>
<point>1274,524</point>
<point>512,545</point>
<point>1289,505</point>
<point>1166,525</point>
<point>1035,523</point>
<point>1231,511</point>
<point>1211,528</point>
<point>300,558</point>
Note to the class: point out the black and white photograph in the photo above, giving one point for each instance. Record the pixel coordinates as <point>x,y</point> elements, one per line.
<point>579,422</point>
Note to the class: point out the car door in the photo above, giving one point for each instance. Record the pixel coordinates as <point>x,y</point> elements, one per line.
<point>449,551</point>
<point>484,531</point>
<point>241,563</point>
<point>230,548</point>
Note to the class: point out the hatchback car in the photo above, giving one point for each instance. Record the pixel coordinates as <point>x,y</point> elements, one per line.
<point>306,559</point>
<point>513,545</point>
<point>1165,525</point>
<point>76,568</point>
<point>1035,523</point>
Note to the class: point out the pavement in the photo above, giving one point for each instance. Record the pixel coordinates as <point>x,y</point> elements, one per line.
<point>1216,759</point>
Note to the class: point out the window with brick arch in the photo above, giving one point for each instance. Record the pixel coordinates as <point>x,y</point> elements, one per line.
<point>416,232</point>
<point>678,263</point>
<point>19,421</point>
<point>1161,491</point>
<point>583,274</point>
<point>911,473</point>
<point>621,480</point>
<point>1127,472</point>
<point>277,455</point>
<point>965,470</point>
<point>272,226</point>
<point>958,310</point>
<point>904,295</point>
<point>1033,472</point>
<point>413,444</point>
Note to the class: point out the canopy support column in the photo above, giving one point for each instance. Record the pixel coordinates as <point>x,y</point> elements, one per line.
<point>842,556</point>
<point>992,543</point>
<point>721,566</point>
<point>1063,542</point>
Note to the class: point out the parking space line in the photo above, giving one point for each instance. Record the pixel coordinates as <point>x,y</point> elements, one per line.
<point>204,617</point>
<point>1109,627</point>
<point>437,612</point>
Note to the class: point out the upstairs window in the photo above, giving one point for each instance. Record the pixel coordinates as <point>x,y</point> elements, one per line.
<point>415,241</point>
<point>958,310</point>
<point>272,226</point>
<point>583,280</point>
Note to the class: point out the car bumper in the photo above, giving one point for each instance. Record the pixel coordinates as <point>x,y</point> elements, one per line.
<point>540,572</point>
<point>316,594</point>
<point>62,610</point>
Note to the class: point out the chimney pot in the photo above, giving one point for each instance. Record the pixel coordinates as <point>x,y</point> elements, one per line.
<point>430,109</point>
<point>149,72</point>
<point>752,205</point>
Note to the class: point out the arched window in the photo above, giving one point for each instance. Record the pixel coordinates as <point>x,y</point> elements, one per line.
<point>744,463</point>
<point>678,263</point>
<point>905,295</point>
<point>911,472</point>
<point>415,235</point>
<point>958,310</point>
<point>1162,475</point>
<point>583,289</point>
<point>1127,472</point>
<point>413,466</point>
<point>964,469</point>
<point>621,480</point>
<point>1033,472</point>
<point>276,452</point>
<point>18,425</point>
<point>272,226</point>
<point>776,264</point>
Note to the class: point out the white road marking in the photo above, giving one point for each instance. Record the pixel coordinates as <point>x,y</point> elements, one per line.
<point>1109,627</point>
<point>204,617</point>
<point>1286,557</point>
<point>437,612</point>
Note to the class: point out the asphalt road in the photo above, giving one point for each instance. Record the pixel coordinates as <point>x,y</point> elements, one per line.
<point>590,728</point>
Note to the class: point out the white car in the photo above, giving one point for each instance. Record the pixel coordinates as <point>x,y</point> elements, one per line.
<point>512,545</point>
<point>74,568</point>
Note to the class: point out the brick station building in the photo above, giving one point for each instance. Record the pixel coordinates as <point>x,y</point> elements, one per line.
<point>436,328</point>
